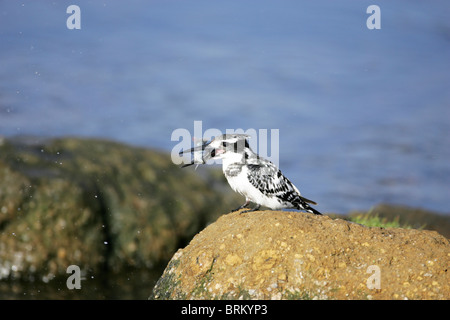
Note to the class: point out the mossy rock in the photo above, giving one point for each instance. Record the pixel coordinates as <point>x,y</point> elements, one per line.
<point>98,204</point>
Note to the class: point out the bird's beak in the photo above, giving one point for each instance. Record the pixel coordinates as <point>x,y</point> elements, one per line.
<point>195,149</point>
<point>208,152</point>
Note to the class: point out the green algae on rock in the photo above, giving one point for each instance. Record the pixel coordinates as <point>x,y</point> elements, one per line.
<point>98,204</point>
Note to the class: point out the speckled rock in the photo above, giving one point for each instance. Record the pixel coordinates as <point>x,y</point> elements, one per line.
<point>101,205</point>
<point>295,255</point>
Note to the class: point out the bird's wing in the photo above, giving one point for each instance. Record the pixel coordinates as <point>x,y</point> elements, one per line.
<point>266,177</point>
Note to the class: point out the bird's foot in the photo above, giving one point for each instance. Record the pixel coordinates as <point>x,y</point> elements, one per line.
<point>241,207</point>
<point>251,210</point>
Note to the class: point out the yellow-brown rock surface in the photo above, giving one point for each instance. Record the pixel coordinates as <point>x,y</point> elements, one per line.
<point>296,255</point>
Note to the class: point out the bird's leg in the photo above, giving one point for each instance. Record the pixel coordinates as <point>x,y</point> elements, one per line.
<point>252,209</point>
<point>242,207</point>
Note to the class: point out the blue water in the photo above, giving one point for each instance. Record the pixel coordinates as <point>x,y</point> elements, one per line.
<point>363,115</point>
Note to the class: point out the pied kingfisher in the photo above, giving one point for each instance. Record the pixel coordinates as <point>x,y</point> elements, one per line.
<point>254,177</point>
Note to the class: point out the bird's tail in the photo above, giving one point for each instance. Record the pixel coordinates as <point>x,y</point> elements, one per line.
<point>312,210</point>
<point>304,205</point>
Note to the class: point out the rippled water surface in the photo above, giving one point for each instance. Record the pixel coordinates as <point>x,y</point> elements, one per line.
<point>363,115</point>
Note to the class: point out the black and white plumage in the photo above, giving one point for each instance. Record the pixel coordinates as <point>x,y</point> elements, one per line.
<point>254,177</point>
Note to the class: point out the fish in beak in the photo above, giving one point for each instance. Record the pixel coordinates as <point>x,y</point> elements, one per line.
<point>206,150</point>
<point>199,156</point>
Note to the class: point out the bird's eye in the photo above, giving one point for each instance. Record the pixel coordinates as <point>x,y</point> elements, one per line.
<point>225,144</point>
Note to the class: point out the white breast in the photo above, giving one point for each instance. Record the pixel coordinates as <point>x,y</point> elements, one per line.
<point>241,184</point>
